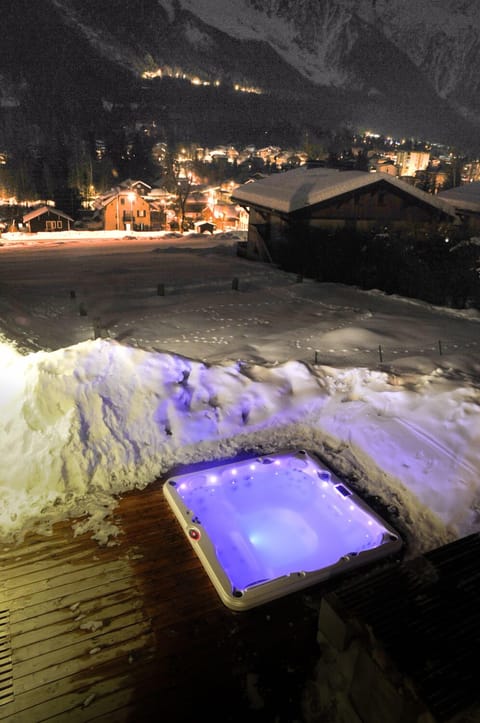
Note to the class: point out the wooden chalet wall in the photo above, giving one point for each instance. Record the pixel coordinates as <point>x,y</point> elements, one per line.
<point>49,221</point>
<point>118,213</point>
<point>275,236</point>
<point>470,219</point>
<point>371,207</point>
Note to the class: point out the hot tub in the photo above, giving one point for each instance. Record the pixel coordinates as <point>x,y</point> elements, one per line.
<point>266,526</point>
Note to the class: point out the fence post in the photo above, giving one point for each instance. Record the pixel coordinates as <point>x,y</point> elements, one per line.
<point>161,290</point>
<point>235,284</point>
<point>316,357</point>
<point>97,328</point>
<point>380,354</point>
<point>440,347</point>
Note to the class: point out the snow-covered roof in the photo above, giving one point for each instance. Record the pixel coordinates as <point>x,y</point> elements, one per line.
<point>302,187</point>
<point>118,192</point>
<point>160,193</point>
<point>44,209</point>
<point>130,182</point>
<point>463,198</point>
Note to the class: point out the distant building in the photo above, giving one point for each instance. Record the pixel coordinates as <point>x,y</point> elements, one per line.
<point>385,165</point>
<point>140,187</point>
<point>47,218</point>
<point>125,210</point>
<point>432,179</point>
<point>471,172</point>
<point>409,162</point>
<point>223,215</point>
<point>465,201</point>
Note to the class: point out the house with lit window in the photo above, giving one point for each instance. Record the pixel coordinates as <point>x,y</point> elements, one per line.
<point>125,210</point>
<point>47,218</point>
<point>225,216</point>
<point>409,162</point>
<point>137,186</point>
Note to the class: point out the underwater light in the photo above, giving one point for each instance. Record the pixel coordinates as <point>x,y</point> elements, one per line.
<point>283,523</point>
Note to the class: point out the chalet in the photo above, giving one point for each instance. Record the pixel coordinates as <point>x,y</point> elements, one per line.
<point>204,226</point>
<point>47,218</point>
<point>292,213</point>
<point>465,200</point>
<point>125,210</point>
<point>140,187</point>
<point>223,215</point>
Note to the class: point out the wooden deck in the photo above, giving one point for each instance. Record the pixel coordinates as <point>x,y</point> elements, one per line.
<point>137,632</point>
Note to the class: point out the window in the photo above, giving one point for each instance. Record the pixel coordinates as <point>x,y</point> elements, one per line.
<point>142,214</point>
<point>52,225</point>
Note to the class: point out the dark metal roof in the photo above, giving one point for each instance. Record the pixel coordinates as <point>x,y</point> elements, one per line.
<point>45,209</point>
<point>426,615</point>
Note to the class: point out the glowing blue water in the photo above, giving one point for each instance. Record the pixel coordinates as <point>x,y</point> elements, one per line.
<point>273,517</point>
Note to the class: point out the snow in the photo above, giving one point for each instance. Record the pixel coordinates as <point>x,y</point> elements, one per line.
<point>204,371</point>
<point>315,38</point>
<point>304,186</point>
<point>465,197</point>
<point>242,21</point>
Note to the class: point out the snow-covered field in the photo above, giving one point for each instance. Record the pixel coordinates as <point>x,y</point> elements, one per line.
<point>124,357</point>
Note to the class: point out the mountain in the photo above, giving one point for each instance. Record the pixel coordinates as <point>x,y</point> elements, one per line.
<point>378,47</point>
<point>237,70</point>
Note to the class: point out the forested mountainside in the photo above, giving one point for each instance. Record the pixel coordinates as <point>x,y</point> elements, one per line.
<point>76,73</point>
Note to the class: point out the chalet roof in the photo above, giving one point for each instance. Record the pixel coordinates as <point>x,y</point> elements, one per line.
<point>110,196</point>
<point>160,193</point>
<point>463,198</point>
<point>302,187</point>
<point>130,182</point>
<point>45,209</point>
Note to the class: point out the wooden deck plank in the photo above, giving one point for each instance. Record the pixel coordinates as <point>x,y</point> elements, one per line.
<point>75,642</point>
<point>101,700</point>
<point>170,644</point>
<point>39,571</point>
<point>72,600</point>
<point>65,621</point>
<point>49,580</point>
<point>54,695</point>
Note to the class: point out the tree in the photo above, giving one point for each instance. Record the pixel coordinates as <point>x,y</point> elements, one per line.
<point>80,168</point>
<point>178,180</point>
<point>362,162</point>
<point>184,185</point>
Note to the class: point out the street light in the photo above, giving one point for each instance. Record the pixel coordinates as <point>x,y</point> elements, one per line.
<point>131,198</point>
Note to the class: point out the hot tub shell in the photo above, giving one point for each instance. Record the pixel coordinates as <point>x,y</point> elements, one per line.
<point>266,526</point>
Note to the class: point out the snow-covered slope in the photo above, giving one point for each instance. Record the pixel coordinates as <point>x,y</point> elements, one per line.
<point>440,37</point>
